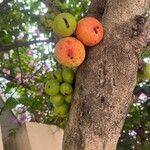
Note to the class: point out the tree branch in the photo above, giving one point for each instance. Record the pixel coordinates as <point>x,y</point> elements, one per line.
<point>4,4</point>
<point>97,10</point>
<point>51,4</point>
<point>18,44</point>
<point>19,61</point>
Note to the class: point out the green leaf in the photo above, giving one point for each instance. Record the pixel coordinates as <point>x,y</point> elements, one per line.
<point>146,53</point>
<point>32,103</point>
<point>36,105</point>
<point>146,146</point>
<point>27,101</point>
<point>9,104</point>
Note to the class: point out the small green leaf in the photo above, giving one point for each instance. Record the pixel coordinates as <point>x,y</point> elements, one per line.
<point>146,52</point>
<point>146,146</point>
<point>27,101</point>
<point>36,105</point>
<point>9,104</point>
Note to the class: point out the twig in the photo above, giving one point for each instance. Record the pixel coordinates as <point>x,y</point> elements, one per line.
<point>51,4</point>
<point>18,44</point>
<point>19,61</point>
<point>4,4</point>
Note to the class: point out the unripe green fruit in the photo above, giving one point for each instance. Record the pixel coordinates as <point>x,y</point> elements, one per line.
<point>139,76</point>
<point>62,110</point>
<point>57,100</point>
<point>50,75</point>
<point>146,73</point>
<point>52,87</point>
<point>68,75</point>
<point>64,24</point>
<point>69,98</point>
<point>146,146</point>
<point>58,75</point>
<point>66,88</point>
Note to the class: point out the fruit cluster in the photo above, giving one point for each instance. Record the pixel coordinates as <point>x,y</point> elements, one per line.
<point>70,51</point>
<point>60,89</point>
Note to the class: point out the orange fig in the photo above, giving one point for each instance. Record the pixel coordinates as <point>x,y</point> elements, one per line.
<point>89,31</point>
<point>69,52</point>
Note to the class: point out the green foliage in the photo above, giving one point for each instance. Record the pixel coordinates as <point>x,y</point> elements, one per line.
<point>9,104</point>
<point>146,53</point>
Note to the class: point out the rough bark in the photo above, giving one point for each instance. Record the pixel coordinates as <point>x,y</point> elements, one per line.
<point>106,80</point>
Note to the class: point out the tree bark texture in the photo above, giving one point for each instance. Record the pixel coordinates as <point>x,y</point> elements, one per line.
<point>106,80</point>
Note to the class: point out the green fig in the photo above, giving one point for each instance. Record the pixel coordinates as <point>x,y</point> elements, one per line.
<point>146,72</point>
<point>68,75</point>
<point>57,100</point>
<point>50,75</point>
<point>62,110</point>
<point>69,98</point>
<point>146,146</point>
<point>139,76</point>
<point>64,24</point>
<point>58,75</point>
<point>52,87</point>
<point>66,88</point>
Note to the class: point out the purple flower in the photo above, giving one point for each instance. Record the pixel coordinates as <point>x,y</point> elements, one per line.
<point>30,53</point>
<point>6,71</point>
<point>24,117</point>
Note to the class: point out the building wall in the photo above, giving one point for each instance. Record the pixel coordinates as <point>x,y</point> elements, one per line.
<point>7,121</point>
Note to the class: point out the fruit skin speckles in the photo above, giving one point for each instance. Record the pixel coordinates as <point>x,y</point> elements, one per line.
<point>68,75</point>
<point>57,100</point>
<point>52,87</point>
<point>62,110</point>
<point>89,31</point>
<point>69,52</point>
<point>58,75</point>
<point>64,24</point>
<point>66,88</point>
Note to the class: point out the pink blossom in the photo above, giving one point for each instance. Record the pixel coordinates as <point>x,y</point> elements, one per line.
<point>26,81</point>
<point>142,98</point>
<point>30,52</point>
<point>20,36</point>
<point>6,71</point>
<point>18,77</point>
<point>41,87</point>
<point>45,66</point>
<point>21,109</point>
<point>30,78</point>
<point>37,32</point>
<point>24,117</point>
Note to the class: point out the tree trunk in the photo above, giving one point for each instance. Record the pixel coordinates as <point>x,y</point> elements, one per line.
<point>106,80</point>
